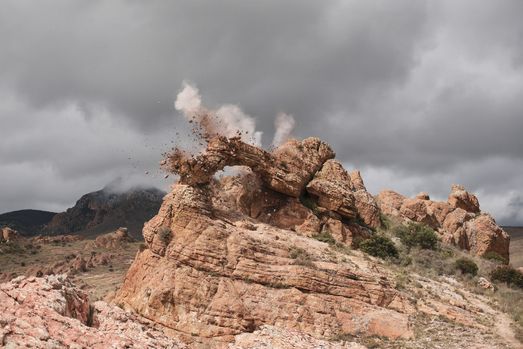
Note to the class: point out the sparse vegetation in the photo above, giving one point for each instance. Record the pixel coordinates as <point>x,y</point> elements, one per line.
<point>510,301</point>
<point>508,275</point>
<point>379,246</point>
<point>164,233</point>
<point>325,236</point>
<point>301,257</point>
<point>466,266</point>
<point>415,234</point>
<point>386,222</point>
<point>494,257</point>
<point>309,202</point>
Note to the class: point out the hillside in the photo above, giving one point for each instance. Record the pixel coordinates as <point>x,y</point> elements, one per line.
<point>104,210</point>
<point>293,252</point>
<point>26,222</point>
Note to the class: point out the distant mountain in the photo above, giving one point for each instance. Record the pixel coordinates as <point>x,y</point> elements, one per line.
<point>26,222</point>
<point>105,210</point>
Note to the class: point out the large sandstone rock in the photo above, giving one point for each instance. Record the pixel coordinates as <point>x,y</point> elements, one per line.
<point>286,170</point>
<point>216,278</point>
<point>458,220</point>
<point>484,236</point>
<point>417,210</point>
<point>344,193</point>
<point>390,202</point>
<point>460,198</point>
<point>50,312</point>
<point>333,188</point>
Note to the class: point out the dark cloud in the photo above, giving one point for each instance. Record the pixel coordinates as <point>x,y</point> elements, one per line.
<point>418,94</point>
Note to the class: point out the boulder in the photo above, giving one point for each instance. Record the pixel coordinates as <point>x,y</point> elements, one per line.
<point>484,236</point>
<point>333,189</point>
<point>9,235</point>
<point>460,198</point>
<point>357,181</point>
<point>423,196</point>
<point>390,202</point>
<point>367,208</point>
<point>417,210</point>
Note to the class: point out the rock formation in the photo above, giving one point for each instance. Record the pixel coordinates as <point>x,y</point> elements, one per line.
<point>8,235</point>
<point>50,312</point>
<point>112,240</point>
<point>223,256</point>
<point>459,220</point>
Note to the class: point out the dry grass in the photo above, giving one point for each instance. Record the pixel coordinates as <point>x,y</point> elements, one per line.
<point>98,282</point>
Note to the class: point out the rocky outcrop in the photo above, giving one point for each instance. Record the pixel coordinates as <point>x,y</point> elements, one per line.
<point>460,198</point>
<point>287,170</point>
<point>344,193</point>
<point>333,188</point>
<point>227,256</point>
<point>459,220</point>
<point>50,312</point>
<point>8,235</point>
<point>206,275</point>
<point>113,240</point>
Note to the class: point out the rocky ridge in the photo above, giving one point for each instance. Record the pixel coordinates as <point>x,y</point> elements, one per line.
<point>228,256</point>
<point>459,220</point>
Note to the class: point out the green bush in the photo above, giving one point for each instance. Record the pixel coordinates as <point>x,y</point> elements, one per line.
<point>325,236</point>
<point>508,275</point>
<point>379,246</point>
<point>495,257</point>
<point>415,234</point>
<point>164,233</point>
<point>309,202</point>
<point>466,266</point>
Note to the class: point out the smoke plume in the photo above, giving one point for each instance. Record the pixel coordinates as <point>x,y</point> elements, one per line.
<point>284,124</point>
<point>228,120</point>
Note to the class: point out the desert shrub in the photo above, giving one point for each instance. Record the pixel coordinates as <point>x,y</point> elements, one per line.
<point>300,256</point>
<point>164,233</point>
<point>379,246</point>
<point>466,266</point>
<point>325,236</point>
<point>430,262</point>
<point>495,257</point>
<point>309,202</point>
<point>415,234</point>
<point>385,221</point>
<point>508,275</point>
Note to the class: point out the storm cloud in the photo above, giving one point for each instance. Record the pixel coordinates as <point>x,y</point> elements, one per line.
<point>417,94</point>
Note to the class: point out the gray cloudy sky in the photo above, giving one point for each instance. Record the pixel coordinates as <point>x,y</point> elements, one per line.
<point>418,95</point>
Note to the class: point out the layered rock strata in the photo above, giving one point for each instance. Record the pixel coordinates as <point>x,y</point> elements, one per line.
<point>227,256</point>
